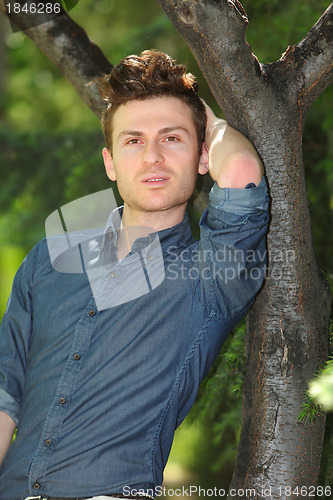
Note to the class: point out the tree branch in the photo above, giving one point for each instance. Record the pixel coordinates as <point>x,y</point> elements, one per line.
<point>306,68</point>
<point>314,59</point>
<point>215,32</point>
<point>68,47</point>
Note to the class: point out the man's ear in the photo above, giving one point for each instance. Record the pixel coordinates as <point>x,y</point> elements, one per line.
<point>204,160</point>
<point>108,162</point>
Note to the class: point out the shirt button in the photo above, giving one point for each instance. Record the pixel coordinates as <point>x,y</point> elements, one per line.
<point>149,256</point>
<point>91,313</point>
<point>113,274</point>
<point>77,356</point>
<point>62,401</point>
<point>36,486</point>
<point>48,442</point>
<point>110,236</point>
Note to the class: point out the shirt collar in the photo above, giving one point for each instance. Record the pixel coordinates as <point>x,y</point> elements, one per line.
<point>175,236</point>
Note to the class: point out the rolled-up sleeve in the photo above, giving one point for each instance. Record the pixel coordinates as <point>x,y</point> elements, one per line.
<point>233,248</point>
<point>15,331</point>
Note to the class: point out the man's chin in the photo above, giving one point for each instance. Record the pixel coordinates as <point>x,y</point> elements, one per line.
<point>153,206</point>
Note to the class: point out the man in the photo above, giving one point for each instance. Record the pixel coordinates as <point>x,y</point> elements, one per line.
<point>96,385</point>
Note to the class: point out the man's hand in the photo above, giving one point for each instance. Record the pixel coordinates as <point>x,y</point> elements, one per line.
<point>233,160</point>
<point>7,428</point>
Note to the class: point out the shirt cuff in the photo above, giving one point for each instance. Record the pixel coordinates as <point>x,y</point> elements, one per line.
<point>240,201</point>
<point>9,405</point>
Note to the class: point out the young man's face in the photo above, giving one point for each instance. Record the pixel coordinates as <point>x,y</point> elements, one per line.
<point>155,157</point>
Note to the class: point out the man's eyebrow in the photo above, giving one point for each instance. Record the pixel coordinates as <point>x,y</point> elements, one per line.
<point>130,132</point>
<point>166,130</point>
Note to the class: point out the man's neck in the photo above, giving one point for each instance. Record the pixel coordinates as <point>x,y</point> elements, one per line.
<point>136,224</point>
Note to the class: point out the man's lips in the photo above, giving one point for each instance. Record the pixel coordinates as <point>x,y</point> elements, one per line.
<point>156,179</point>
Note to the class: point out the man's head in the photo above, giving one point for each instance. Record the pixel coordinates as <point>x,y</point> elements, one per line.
<point>151,74</point>
<point>154,126</point>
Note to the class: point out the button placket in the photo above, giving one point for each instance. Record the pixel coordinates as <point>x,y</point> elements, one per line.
<point>56,414</point>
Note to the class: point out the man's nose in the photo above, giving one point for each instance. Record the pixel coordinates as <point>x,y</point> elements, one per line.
<point>152,153</point>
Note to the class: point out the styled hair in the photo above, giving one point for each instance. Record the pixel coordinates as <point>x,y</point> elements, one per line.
<point>145,76</point>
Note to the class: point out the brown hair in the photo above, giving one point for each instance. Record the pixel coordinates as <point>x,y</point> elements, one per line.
<point>151,74</point>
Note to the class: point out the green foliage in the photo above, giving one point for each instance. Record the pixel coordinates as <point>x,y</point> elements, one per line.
<point>310,409</point>
<point>321,387</point>
<point>276,24</point>
<point>68,4</point>
<point>319,397</point>
<point>10,259</point>
<point>36,92</point>
<point>217,412</point>
<point>42,173</point>
<point>318,164</point>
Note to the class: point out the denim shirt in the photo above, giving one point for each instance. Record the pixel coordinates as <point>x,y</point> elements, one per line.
<point>98,374</point>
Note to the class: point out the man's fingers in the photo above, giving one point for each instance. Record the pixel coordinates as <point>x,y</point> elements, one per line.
<point>210,114</point>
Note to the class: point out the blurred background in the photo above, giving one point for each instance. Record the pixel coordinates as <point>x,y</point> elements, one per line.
<point>50,154</point>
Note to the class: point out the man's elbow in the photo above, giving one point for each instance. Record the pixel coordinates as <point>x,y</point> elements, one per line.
<point>241,169</point>
<point>7,428</point>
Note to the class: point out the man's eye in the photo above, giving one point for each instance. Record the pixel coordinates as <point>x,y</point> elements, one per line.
<point>133,141</point>
<point>171,139</point>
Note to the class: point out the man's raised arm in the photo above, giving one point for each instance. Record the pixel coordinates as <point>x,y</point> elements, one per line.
<point>233,160</point>
<point>7,428</point>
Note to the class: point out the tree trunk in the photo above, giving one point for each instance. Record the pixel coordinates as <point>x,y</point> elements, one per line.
<point>287,327</point>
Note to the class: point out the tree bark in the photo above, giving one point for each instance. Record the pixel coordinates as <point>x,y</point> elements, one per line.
<point>287,327</point>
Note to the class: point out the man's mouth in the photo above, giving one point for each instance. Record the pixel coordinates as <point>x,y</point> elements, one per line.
<point>155,180</point>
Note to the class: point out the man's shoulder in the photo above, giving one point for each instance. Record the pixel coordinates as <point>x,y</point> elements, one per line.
<point>63,252</point>
<point>68,252</point>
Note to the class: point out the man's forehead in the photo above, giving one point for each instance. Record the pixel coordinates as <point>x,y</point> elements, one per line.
<point>153,104</point>
<point>164,114</point>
